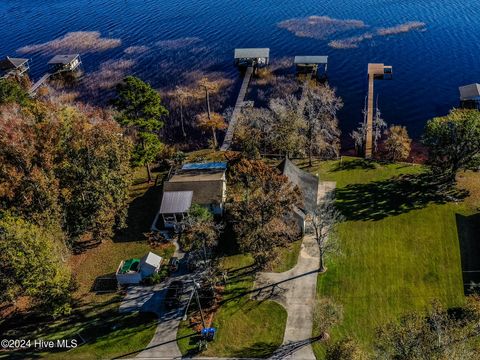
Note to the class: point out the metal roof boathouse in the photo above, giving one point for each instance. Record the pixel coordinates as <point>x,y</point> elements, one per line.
<point>470,96</point>
<point>13,67</point>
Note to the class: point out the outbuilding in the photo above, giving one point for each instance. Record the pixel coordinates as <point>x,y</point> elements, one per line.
<point>10,66</point>
<point>470,96</point>
<point>133,271</point>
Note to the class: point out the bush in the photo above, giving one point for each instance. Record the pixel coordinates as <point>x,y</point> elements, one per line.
<point>158,277</point>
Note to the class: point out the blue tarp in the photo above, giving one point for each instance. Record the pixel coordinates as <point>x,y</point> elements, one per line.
<point>205,166</point>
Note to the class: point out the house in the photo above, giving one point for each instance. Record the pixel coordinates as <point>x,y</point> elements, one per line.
<point>204,184</point>
<point>13,67</point>
<point>133,271</point>
<point>311,188</point>
<point>470,96</point>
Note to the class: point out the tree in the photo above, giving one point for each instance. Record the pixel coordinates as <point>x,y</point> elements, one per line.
<point>322,223</point>
<point>345,349</point>
<point>67,167</point>
<point>326,315</point>
<point>437,335</point>
<point>379,125</point>
<point>200,231</point>
<point>12,92</point>
<point>397,144</point>
<point>141,111</point>
<point>320,113</point>
<point>31,266</point>
<point>211,122</point>
<point>260,207</point>
<point>453,143</point>
<point>288,125</point>
<point>253,130</point>
<point>94,175</point>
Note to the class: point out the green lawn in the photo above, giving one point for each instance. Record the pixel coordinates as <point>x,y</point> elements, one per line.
<point>399,242</point>
<point>106,332</point>
<point>246,328</point>
<point>287,257</point>
<point>95,317</point>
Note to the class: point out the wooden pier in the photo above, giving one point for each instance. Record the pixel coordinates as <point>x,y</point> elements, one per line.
<point>375,72</point>
<point>248,59</point>
<point>227,141</point>
<point>39,83</point>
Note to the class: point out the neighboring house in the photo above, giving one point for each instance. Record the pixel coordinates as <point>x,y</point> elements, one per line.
<point>13,67</point>
<point>308,185</point>
<point>133,271</point>
<point>204,184</point>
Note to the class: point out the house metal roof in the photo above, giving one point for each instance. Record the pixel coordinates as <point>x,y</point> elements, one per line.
<point>307,183</point>
<point>310,60</point>
<point>205,166</point>
<point>176,202</point>
<point>252,53</point>
<point>63,59</point>
<point>470,92</point>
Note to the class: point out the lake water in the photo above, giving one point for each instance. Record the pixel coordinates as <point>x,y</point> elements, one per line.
<point>428,64</point>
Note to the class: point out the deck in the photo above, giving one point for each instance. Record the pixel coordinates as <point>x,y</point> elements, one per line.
<point>39,83</point>
<point>236,111</point>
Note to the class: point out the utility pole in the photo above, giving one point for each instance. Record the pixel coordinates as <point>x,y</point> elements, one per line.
<point>375,72</point>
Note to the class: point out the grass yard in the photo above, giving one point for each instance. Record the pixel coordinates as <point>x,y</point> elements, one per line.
<point>399,242</point>
<point>107,333</point>
<point>287,257</point>
<point>246,328</point>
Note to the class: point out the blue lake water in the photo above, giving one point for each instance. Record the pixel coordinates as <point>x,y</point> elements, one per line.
<point>428,65</point>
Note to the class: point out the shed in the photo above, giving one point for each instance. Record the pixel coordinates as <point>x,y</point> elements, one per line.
<point>150,264</point>
<point>252,56</point>
<point>175,204</point>
<point>69,62</point>
<point>13,66</point>
<point>133,271</point>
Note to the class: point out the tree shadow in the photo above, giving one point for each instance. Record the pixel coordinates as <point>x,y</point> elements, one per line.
<point>354,165</point>
<point>468,229</point>
<point>379,199</point>
<point>140,215</point>
<point>257,350</point>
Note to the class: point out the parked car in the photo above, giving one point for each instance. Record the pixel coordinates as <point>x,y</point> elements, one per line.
<point>173,264</point>
<point>174,292</point>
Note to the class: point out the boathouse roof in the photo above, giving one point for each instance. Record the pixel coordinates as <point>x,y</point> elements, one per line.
<point>470,92</point>
<point>252,53</point>
<point>310,60</point>
<point>63,59</point>
<point>9,63</point>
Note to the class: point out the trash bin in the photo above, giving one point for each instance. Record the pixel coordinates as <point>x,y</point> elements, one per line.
<point>209,333</point>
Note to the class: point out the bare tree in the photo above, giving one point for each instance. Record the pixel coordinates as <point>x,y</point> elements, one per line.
<point>379,126</point>
<point>320,113</point>
<point>288,126</point>
<point>322,223</point>
<point>359,135</point>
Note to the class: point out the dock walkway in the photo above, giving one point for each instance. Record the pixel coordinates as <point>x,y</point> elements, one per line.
<point>238,108</point>
<point>39,83</point>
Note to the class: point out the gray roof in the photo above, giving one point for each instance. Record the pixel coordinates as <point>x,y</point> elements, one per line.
<point>9,63</point>
<point>252,53</point>
<point>151,259</point>
<point>63,59</point>
<point>311,60</point>
<point>470,92</point>
<point>176,202</point>
<point>307,183</point>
